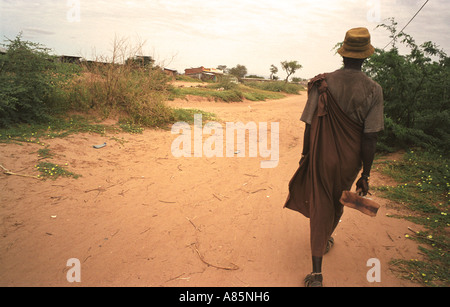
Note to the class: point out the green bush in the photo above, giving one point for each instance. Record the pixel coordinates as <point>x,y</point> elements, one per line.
<point>29,79</point>
<point>35,86</point>
<point>136,94</point>
<point>227,82</point>
<point>415,88</point>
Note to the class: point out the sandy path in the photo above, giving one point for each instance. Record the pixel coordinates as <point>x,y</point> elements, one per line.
<point>140,217</point>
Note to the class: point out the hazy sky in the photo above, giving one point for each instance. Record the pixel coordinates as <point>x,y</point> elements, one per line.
<point>191,33</point>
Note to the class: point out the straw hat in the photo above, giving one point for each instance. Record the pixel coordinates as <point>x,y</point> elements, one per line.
<point>357,44</point>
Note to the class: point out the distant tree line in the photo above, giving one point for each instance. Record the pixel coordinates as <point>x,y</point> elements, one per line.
<point>240,71</point>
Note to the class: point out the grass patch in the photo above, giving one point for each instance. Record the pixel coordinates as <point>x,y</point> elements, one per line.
<point>277,86</point>
<point>255,94</point>
<point>424,189</point>
<point>187,115</point>
<point>50,170</point>
<point>187,79</point>
<point>62,127</point>
<point>235,93</point>
<point>56,128</point>
<point>131,128</point>
<point>210,93</point>
<point>44,153</point>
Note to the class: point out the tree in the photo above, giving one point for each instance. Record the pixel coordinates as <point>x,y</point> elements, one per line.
<point>415,91</point>
<point>273,71</point>
<point>140,61</point>
<point>27,80</point>
<point>290,68</point>
<point>239,71</point>
<point>223,68</point>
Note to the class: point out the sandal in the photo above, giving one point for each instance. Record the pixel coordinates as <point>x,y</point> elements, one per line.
<point>330,244</point>
<point>314,280</point>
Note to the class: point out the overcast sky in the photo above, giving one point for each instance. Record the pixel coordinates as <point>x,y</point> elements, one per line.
<point>191,33</point>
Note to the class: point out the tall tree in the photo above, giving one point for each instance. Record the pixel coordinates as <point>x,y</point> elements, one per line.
<point>239,71</point>
<point>273,71</point>
<point>290,68</point>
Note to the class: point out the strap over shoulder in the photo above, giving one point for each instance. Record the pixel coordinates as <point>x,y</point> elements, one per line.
<point>322,87</point>
<point>320,82</point>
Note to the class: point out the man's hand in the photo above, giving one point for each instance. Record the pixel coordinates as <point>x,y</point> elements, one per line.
<point>362,185</point>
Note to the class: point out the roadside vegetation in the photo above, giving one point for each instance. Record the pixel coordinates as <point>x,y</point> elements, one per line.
<point>228,91</point>
<point>42,97</point>
<point>422,195</point>
<point>278,87</point>
<point>229,94</point>
<point>417,117</point>
<point>37,88</point>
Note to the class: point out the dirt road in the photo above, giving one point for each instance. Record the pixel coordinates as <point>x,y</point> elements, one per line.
<point>138,216</point>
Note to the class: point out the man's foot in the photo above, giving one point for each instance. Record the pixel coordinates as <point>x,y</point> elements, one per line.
<point>314,280</point>
<point>330,244</point>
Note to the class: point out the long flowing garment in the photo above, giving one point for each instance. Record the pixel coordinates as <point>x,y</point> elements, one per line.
<point>331,166</point>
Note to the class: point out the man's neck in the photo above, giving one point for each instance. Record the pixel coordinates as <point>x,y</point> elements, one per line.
<point>353,64</point>
<point>353,67</point>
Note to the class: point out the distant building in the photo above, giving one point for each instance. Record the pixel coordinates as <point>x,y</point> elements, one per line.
<point>203,73</point>
<point>194,72</point>
<point>171,72</point>
<point>69,59</point>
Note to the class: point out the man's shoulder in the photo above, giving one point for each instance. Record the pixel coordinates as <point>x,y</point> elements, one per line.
<point>346,74</point>
<point>318,77</point>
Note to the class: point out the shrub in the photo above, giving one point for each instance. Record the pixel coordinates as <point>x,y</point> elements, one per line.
<point>227,82</point>
<point>136,94</point>
<point>415,89</point>
<point>29,78</point>
<point>34,86</point>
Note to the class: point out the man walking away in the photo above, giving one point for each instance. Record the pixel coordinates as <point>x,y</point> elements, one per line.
<point>343,115</point>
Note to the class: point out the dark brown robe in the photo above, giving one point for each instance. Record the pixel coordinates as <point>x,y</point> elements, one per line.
<point>331,166</point>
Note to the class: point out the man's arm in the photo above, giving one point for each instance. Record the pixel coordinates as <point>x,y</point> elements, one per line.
<point>306,139</point>
<point>368,148</point>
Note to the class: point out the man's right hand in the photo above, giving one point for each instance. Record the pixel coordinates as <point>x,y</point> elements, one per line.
<point>362,185</point>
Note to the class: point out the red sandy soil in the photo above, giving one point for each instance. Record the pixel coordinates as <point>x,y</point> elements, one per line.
<point>138,216</point>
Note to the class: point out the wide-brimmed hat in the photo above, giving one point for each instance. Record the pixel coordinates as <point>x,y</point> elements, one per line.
<point>357,44</point>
